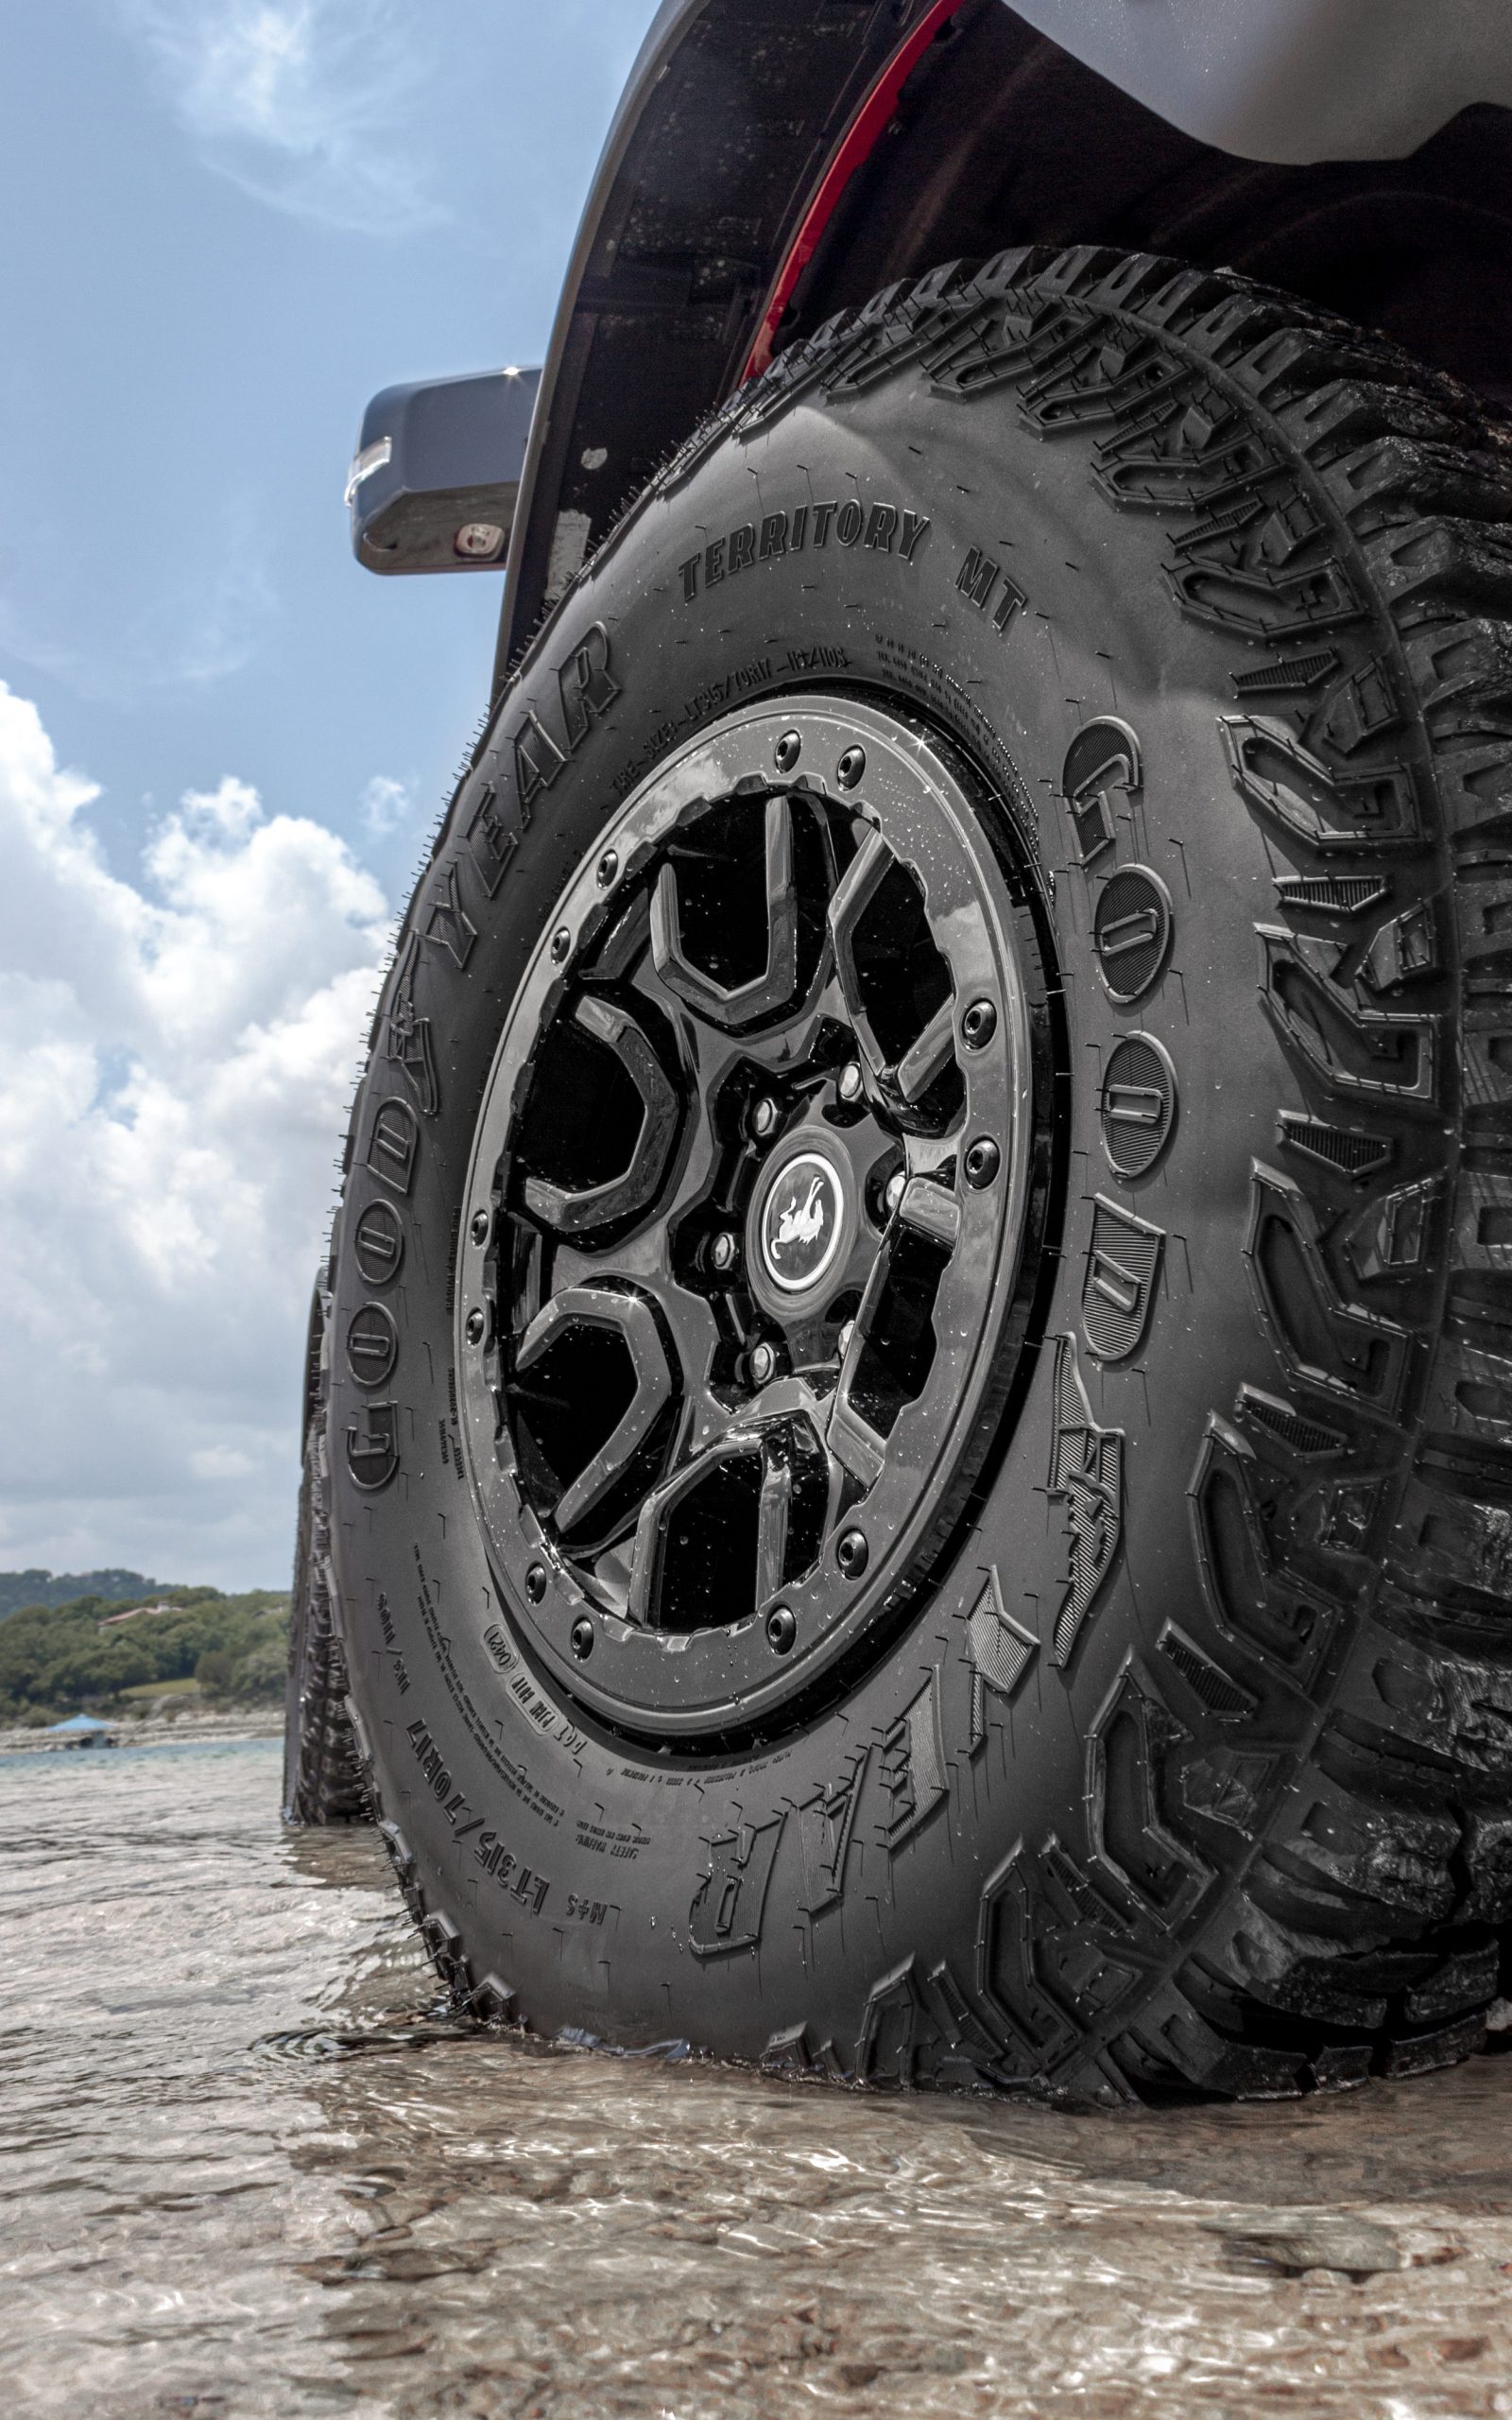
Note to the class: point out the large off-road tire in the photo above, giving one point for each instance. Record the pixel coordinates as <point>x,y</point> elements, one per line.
<point>1046,742</point>
<point>322,1780</point>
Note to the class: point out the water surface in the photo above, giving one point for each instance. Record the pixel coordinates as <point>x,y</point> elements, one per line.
<point>248,2169</point>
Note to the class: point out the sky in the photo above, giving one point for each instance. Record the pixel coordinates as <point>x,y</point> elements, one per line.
<point>223,225</point>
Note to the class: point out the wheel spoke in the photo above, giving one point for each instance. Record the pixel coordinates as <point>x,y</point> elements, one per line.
<point>747,1004</point>
<point>878,1375</point>
<point>632,1318</point>
<point>850,1436</point>
<point>932,1211</point>
<point>858,886</point>
<point>721,1538</point>
<point>718,1464</point>
<point>772,1523</point>
<point>856,1446</point>
<point>575,1211</point>
<point>852,1440</point>
<point>907,1079</point>
<point>925,1060</point>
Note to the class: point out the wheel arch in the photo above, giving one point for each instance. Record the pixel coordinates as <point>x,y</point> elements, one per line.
<point>686,228</point>
<point>765,169</point>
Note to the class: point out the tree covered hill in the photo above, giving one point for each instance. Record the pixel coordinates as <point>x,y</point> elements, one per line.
<point>63,1659</point>
<point>18,1588</point>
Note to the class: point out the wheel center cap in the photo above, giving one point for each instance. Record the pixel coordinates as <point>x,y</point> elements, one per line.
<point>802,1222</point>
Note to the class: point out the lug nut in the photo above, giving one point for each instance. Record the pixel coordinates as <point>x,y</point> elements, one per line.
<point>609,866</point>
<point>787,751</point>
<point>853,1554</point>
<point>536,1582</point>
<point>763,1116</point>
<point>979,1025</point>
<point>781,1629</point>
<point>849,1086</point>
<point>851,767</point>
<point>762,1362</point>
<point>897,1185</point>
<point>561,942</point>
<point>722,1250</point>
<point>479,1230</point>
<point>582,1638</point>
<point>478,1325</point>
<point>983,1160</point>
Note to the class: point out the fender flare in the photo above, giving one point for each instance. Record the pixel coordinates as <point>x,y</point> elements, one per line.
<point>727,216</point>
<point>1293,81</point>
<point>743,121</point>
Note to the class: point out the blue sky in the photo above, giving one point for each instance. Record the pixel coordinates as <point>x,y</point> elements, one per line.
<point>226,222</point>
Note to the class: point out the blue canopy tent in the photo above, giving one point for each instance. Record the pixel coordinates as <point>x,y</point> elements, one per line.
<point>81,1730</point>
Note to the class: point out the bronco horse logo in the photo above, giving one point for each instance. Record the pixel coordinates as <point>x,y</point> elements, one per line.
<point>802,1226</point>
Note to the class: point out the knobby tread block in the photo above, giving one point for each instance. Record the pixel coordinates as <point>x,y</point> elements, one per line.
<point>1366,527</point>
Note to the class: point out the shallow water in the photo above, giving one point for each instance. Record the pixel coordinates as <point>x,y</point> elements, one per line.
<point>248,2171</point>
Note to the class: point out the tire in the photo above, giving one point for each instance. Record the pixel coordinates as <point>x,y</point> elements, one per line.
<point>323,1782</point>
<point>1163,1740</point>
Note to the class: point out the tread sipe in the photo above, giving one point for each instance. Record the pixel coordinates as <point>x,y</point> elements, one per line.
<point>1296,1864</point>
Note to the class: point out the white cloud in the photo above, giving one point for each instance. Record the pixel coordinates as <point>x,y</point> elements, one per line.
<point>386,805</point>
<point>176,1054</point>
<point>301,103</point>
<point>221,1462</point>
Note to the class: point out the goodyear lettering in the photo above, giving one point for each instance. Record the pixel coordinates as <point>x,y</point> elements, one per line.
<point>538,760</point>
<point>448,926</point>
<point>586,686</point>
<point>586,689</point>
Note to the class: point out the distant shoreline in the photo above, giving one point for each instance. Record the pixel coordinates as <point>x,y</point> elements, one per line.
<point>142,1731</point>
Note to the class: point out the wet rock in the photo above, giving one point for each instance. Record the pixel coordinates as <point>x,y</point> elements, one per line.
<point>1346,2246</point>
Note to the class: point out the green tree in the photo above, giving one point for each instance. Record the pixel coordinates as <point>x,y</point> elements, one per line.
<point>215,1668</point>
<point>65,1658</point>
<point>263,1672</point>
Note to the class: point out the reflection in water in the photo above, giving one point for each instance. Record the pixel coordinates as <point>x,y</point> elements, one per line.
<point>250,2170</point>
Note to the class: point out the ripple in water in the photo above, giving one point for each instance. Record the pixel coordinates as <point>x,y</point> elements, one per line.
<point>251,2170</point>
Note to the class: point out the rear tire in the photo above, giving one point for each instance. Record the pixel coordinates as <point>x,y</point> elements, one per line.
<point>1182,1761</point>
<point>322,1778</point>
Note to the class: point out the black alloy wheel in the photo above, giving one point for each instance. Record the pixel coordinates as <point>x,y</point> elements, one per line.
<point>755,1211</point>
